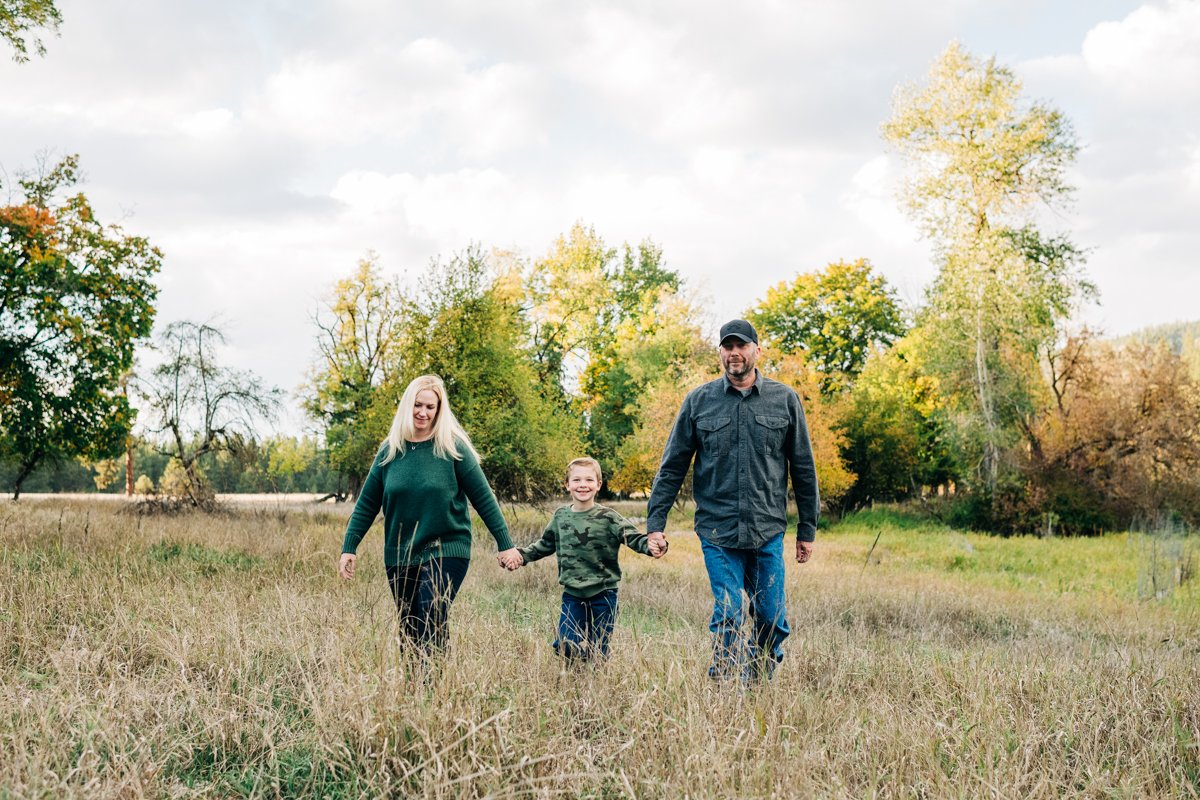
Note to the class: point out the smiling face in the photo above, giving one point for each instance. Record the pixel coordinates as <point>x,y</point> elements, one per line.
<point>582,484</point>
<point>425,410</point>
<point>738,358</point>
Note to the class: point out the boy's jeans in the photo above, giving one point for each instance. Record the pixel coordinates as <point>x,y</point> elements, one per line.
<point>760,574</point>
<point>585,625</point>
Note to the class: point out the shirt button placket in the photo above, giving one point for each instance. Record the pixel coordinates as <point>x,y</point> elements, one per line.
<point>741,479</point>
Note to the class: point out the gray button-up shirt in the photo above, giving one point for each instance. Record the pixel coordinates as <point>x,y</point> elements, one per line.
<point>745,446</point>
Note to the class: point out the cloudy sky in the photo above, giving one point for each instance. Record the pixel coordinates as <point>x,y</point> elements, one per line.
<point>265,146</point>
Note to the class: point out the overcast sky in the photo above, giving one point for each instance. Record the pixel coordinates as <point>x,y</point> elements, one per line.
<point>265,146</point>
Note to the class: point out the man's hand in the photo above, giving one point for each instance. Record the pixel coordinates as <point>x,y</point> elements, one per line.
<point>657,543</point>
<point>803,551</point>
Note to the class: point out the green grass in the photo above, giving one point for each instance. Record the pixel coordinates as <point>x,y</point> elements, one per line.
<point>207,560</point>
<point>219,657</point>
<point>1092,569</point>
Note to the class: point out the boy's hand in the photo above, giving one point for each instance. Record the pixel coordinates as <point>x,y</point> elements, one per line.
<point>657,543</point>
<point>510,559</point>
<point>662,550</point>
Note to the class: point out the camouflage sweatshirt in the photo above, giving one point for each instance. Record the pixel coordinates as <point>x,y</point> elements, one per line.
<point>587,543</point>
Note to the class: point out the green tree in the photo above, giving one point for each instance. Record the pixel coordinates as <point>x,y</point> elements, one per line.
<point>657,357</point>
<point>648,330</point>
<point>20,18</point>
<point>580,292</point>
<point>467,327</point>
<point>148,459</point>
<point>982,160</point>
<point>199,406</point>
<point>270,464</point>
<point>107,472</point>
<point>639,454</point>
<point>835,317</point>
<point>76,297</point>
<point>580,299</point>
<point>359,344</point>
<point>894,425</point>
<point>565,292</point>
<point>288,459</point>
<point>821,413</point>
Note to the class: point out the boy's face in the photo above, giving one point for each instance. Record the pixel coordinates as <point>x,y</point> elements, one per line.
<point>582,483</point>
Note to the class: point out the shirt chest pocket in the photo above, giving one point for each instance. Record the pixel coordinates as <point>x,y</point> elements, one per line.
<point>769,432</point>
<point>714,434</point>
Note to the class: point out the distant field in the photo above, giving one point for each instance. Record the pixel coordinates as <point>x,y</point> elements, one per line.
<point>219,656</point>
<point>234,499</point>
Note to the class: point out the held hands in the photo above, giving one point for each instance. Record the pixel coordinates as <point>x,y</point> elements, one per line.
<point>510,559</point>
<point>657,544</point>
<point>803,551</point>
<point>346,566</point>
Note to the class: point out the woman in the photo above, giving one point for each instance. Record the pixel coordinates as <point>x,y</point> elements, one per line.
<point>424,476</point>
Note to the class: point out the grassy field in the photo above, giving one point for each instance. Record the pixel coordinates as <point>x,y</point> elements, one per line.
<point>220,657</point>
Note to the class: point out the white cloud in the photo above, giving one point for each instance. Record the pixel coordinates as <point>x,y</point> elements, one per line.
<point>872,198</point>
<point>382,93</point>
<point>641,71</point>
<point>1143,280</point>
<point>450,208</point>
<point>207,124</point>
<point>1192,170</point>
<point>718,166</point>
<point>1151,55</point>
<point>265,153</point>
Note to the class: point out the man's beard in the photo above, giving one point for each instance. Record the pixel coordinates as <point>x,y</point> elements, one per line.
<point>740,371</point>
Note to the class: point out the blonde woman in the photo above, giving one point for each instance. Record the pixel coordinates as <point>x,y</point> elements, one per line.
<point>424,476</point>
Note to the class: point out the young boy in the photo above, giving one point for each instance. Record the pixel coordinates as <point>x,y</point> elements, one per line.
<point>586,537</point>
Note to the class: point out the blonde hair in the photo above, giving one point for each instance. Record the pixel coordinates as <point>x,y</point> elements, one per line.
<point>447,433</point>
<point>586,462</point>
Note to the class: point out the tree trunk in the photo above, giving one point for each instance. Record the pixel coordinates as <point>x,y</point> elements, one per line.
<point>26,468</point>
<point>129,467</point>
<point>353,486</point>
<point>984,390</point>
<point>196,488</point>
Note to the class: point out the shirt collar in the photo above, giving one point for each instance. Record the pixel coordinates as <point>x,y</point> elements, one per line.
<point>754,387</point>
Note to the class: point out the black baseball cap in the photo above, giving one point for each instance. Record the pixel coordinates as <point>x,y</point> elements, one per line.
<point>739,328</point>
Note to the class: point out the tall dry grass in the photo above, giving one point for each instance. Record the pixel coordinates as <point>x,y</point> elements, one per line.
<point>219,657</point>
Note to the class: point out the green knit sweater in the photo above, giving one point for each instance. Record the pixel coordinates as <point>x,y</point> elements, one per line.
<point>424,500</point>
<point>587,543</point>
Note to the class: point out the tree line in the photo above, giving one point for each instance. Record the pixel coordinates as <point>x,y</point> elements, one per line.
<point>268,464</point>
<point>986,403</point>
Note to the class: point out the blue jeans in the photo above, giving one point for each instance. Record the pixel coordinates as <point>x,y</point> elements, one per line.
<point>585,625</point>
<point>423,594</point>
<point>759,574</point>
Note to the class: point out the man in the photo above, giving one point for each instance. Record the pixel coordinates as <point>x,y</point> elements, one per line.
<point>747,434</point>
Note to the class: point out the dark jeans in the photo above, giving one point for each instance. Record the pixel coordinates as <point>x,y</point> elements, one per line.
<point>423,595</point>
<point>746,582</point>
<point>585,626</point>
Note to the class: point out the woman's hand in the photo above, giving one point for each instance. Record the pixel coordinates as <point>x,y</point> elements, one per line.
<point>346,566</point>
<point>510,559</point>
